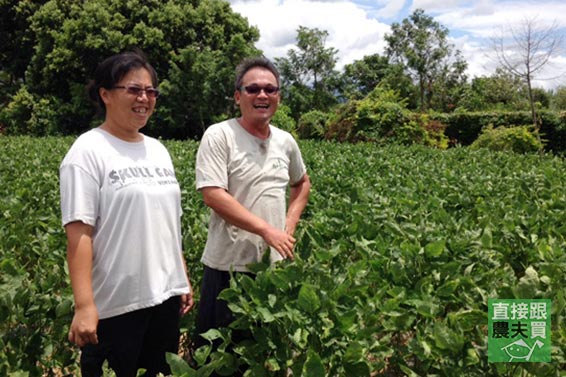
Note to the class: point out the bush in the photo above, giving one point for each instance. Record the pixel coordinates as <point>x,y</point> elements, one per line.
<point>463,128</point>
<point>377,120</point>
<point>282,119</point>
<point>374,118</point>
<point>312,125</point>
<point>29,115</point>
<point>382,116</point>
<point>420,129</point>
<point>518,139</point>
<point>341,127</point>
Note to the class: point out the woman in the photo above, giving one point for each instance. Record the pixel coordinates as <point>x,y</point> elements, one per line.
<point>121,209</point>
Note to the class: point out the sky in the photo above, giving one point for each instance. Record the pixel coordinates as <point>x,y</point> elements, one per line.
<point>356,27</point>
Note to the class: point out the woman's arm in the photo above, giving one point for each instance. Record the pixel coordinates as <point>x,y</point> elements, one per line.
<point>79,259</point>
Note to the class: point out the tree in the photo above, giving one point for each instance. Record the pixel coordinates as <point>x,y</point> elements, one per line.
<point>450,86</point>
<point>198,89</point>
<point>307,73</point>
<point>500,91</point>
<point>362,76</point>
<point>421,45</point>
<point>525,50</point>
<point>16,47</point>
<point>71,37</point>
<point>559,99</point>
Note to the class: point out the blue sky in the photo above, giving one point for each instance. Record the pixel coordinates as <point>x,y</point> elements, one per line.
<point>356,27</point>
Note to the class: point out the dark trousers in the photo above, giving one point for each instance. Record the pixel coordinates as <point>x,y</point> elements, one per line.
<point>214,313</point>
<point>134,340</point>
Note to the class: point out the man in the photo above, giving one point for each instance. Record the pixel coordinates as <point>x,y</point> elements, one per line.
<point>244,166</point>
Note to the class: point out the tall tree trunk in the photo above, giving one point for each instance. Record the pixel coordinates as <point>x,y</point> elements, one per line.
<point>422,93</point>
<point>532,103</point>
<point>536,122</point>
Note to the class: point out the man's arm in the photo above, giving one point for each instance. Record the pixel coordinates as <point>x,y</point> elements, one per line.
<point>236,214</point>
<point>299,197</point>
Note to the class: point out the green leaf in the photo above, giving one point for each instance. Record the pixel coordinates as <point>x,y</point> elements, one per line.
<point>228,294</point>
<point>212,334</point>
<point>313,367</point>
<point>178,365</point>
<point>272,365</point>
<point>224,363</point>
<point>265,315</point>
<point>308,299</point>
<point>201,354</point>
<point>435,249</point>
<point>64,308</point>
<point>472,357</point>
<point>447,288</point>
<point>358,369</point>
<point>246,282</point>
<point>257,267</point>
<point>280,278</point>
<point>271,299</point>
<point>447,339</point>
<point>467,320</point>
<point>528,286</point>
<point>354,353</point>
<point>300,337</point>
<point>487,238</point>
<point>408,371</point>
<point>426,307</point>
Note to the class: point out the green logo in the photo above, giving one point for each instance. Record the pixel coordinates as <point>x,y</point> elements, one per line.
<point>519,330</point>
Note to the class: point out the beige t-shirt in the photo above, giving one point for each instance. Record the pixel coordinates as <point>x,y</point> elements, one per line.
<point>255,172</point>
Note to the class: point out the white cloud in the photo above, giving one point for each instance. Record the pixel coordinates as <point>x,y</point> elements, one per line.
<point>479,64</point>
<point>390,9</point>
<point>483,19</point>
<point>354,29</point>
<point>350,29</point>
<point>435,5</point>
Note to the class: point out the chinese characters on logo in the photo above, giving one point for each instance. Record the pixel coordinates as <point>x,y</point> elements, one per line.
<point>519,330</point>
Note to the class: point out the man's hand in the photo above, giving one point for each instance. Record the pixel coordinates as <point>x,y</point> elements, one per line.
<point>280,241</point>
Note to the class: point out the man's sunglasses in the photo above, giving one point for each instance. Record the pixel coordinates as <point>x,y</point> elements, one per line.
<point>256,89</point>
<point>137,91</point>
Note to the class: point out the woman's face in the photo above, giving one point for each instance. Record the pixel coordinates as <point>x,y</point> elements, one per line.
<point>125,110</point>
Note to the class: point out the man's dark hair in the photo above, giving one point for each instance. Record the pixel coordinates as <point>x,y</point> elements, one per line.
<point>254,62</point>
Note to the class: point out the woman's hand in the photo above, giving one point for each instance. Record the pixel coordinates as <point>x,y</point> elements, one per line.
<point>83,327</point>
<point>186,301</point>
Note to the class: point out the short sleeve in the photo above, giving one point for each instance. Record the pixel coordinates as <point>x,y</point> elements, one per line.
<point>80,195</point>
<point>212,161</point>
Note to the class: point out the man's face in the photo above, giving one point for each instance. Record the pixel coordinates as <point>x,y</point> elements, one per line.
<point>258,97</point>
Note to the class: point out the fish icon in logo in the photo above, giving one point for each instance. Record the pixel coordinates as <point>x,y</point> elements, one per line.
<point>520,350</point>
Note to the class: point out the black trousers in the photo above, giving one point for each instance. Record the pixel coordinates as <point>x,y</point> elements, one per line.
<point>134,340</point>
<point>214,313</point>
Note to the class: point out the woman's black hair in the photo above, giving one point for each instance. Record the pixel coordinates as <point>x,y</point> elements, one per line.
<point>113,69</point>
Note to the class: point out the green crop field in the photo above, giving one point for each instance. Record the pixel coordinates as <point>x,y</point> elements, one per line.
<point>398,252</point>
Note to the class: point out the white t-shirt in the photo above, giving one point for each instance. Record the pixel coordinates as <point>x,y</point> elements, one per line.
<point>129,194</point>
<point>256,173</point>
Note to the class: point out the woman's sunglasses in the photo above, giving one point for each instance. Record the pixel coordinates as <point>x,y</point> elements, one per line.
<point>137,91</point>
